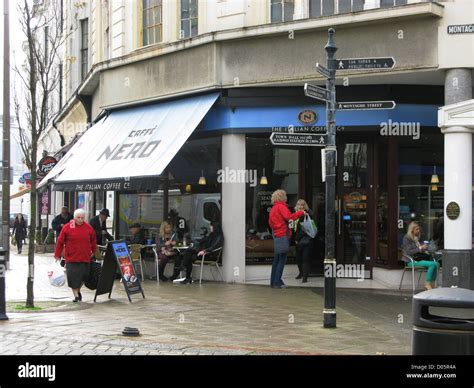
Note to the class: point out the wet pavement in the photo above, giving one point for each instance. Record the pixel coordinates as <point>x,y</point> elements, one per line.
<point>212,318</point>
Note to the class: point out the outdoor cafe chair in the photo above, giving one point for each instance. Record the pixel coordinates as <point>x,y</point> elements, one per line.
<point>136,255</point>
<point>206,260</point>
<point>407,260</point>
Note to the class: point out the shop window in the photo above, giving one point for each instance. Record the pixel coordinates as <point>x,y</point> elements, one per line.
<point>355,165</point>
<point>282,10</point>
<point>152,22</point>
<point>189,19</point>
<point>198,204</point>
<point>421,200</point>
<point>280,167</point>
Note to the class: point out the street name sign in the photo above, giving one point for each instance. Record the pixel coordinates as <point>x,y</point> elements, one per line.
<point>366,105</point>
<point>314,91</point>
<point>298,139</point>
<point>323,71</point>
<point>365,63</point>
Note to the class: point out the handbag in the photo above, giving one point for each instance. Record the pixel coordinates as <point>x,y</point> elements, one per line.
<point>309,226</point>
<point>94,275</point>
<point>13,240</point>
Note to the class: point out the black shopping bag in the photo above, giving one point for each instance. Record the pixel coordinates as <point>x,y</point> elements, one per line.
<point>94,275</point>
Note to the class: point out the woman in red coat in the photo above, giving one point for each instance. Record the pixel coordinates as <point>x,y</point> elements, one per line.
<point>278,220</point>
<point>79,242</point>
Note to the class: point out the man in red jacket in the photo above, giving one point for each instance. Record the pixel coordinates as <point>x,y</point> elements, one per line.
<point>78,240</point>
<point>278,220</point>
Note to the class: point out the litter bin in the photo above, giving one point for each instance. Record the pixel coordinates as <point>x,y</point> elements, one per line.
<point>447,334</point>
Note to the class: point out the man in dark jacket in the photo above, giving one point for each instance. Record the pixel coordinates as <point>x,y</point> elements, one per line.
<point>213,241</point>
<point>60,220</point>
<point>99,224</point>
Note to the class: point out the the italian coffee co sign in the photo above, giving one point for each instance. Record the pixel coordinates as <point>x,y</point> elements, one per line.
<point>453,210</point>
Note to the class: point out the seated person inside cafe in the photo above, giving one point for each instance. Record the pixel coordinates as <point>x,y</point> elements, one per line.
<point>165,242</point>
<point>213,241</point>
<point>99,224</point>
<point>137,236</point>
<point>411,246</point>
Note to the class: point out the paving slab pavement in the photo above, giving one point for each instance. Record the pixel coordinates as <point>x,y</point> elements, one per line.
<point>212,318</point>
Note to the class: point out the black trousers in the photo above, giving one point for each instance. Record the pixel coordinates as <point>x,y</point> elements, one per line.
<point>19,242</point>
<point>303,258</point>
<point>188,259</point>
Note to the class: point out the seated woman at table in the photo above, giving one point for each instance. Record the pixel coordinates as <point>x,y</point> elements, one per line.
<point>213,241</point>
<point>411,246</point>
<point>165,243</point>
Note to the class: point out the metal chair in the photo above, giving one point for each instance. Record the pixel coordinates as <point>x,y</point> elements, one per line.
<point>136,255</point>
<point>409,259</point>
<point>213,262</point>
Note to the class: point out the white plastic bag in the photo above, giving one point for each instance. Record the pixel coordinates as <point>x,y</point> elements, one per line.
<point>57,276</point>
<point>309,226</point>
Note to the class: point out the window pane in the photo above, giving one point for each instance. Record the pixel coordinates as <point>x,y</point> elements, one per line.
<point>328,7</point>
<point>386,3</point>
<point>145,19</point>
<point>357,5</point>
<point>185,29</point>
<point>344,6</point>
<point>193,9</point>
<point>289,10</point>
<point>184,9</point>
<point>194,27</point>
<point>157,19</point>
<point>402,2</point>
<point>355,165</point>
<point>158,35</point>
<point>276,13</point>
<point>314,8</point>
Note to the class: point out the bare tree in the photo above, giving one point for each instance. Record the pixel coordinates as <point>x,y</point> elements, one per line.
<point>39,76</point>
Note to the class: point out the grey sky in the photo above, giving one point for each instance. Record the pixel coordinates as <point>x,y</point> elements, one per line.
<point>16,37</point>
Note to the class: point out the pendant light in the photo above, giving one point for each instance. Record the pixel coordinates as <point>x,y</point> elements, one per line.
<point>263,179</point>
<point>202,179</point>
<point>434,177</point>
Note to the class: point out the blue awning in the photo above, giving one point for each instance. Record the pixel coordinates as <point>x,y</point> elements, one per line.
<point>129,145</point>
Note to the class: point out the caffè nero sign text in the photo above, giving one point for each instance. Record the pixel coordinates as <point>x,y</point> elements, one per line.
<point>132,150</point>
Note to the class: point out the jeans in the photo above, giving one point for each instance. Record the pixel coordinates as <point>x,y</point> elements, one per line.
<point>281,247</point>
<point>432,269</point>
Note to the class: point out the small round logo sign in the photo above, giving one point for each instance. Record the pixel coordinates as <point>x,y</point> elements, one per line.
<point>307,117</point>
<point>453,210</point>
<point>46,165</point>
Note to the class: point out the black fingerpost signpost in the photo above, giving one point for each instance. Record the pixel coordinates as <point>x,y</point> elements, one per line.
<point>118,256</point>
<point>329,152</point>
<point>329,95</point>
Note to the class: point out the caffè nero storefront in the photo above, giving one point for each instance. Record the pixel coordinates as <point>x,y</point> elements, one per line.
<point>172,155</point>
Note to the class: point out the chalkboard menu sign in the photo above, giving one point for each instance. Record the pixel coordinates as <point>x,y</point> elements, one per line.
<point>118,256</point>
